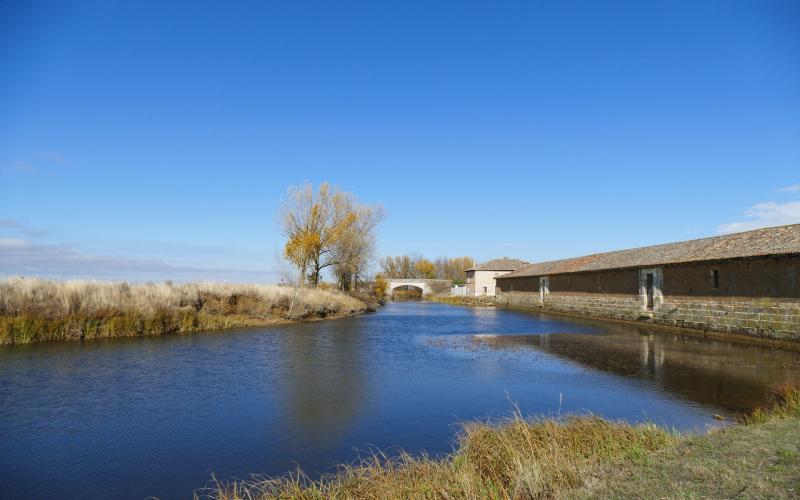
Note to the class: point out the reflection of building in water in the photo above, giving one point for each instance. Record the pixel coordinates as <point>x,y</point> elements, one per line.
<point>321,378</point>
<point>725,374</point>
<point>652,357</point>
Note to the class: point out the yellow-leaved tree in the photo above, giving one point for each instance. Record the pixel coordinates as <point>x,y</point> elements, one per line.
<point>355,246</point>
<point>327,228</point>
<point>425,269</point>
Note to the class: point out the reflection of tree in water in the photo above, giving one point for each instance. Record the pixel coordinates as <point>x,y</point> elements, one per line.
<point>726,374</point>
<point>321,378</point>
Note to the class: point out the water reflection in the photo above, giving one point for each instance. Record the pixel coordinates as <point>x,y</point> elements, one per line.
<point>323,380</point>
<point>729,375</point>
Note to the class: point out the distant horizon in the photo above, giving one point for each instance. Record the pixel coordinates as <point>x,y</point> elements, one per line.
<point>152,142</point>
<point>231,275</point>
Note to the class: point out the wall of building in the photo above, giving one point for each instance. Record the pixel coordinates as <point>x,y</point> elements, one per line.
<point>478,280</point>
<point>470,282</point>
<point>757,297</point>
<point>777,277</point>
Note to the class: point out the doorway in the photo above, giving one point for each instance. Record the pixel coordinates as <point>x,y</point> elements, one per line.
<point>544,287</point>
<point>649,290</point>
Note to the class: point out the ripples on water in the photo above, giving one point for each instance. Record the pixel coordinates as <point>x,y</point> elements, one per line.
<point>128,418</point>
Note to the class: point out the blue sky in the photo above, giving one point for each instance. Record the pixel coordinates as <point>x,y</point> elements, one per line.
<point>155,140</point>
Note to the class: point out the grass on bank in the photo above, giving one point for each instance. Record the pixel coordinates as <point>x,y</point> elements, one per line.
<point>758,459</point>
<point>462,300</point>
<point>517,459</point>
<point>33,310</point>
<point>581,457</point>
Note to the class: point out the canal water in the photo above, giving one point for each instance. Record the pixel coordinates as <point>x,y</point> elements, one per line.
<point>132,418</point>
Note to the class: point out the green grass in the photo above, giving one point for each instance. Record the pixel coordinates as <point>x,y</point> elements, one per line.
<point>756,461</point>
<point>760,458</point>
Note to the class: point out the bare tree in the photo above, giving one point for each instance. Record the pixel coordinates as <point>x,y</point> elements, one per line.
<point>415,266</point>
<point>325,229</point>
<point>402,266</point>
<point>312,224</point>
<point>355,247</point>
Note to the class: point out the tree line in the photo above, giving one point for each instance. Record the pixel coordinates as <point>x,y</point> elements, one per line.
<point>416,266</point>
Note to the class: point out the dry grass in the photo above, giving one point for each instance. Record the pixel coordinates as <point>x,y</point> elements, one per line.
<point>516,459</point>
<point>581,457</point>
<point>462,300</point>
<point>785,403</point>
<point>33,309</point>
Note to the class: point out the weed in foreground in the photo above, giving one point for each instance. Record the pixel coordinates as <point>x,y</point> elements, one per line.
<point>785,402</point>
<point>518,458</point>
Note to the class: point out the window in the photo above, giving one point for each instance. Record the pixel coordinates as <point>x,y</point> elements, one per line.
<point>715,278</point>
<point>484,290</point>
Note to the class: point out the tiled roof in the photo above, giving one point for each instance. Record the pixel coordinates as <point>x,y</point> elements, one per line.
<point>760,242</point>
<point>502,264</point>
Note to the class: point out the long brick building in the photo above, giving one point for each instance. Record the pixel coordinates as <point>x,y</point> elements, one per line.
<point>746,283</point>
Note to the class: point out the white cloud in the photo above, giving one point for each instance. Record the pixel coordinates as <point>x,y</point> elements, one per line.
<point>794,188</point>
<point>16,227</point>
<point>20,257</point>
<point>12,243</point>
<point>35,233</point>
<point>765,215</point>
<point>9,223</point>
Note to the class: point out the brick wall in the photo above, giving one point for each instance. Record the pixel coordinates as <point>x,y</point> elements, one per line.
<point>755,297</point>
<point>765,317</point>
<point>777,319</point>
<point>613,306</point>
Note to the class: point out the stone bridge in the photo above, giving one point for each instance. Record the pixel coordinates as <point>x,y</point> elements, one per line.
<point>427,286</point>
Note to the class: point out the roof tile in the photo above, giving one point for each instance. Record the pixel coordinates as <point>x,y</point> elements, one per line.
<point>760,242</point>
<point>502,264</point>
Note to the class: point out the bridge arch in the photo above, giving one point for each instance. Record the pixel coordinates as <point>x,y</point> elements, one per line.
<point>426,286</point>
<point>407,291</point>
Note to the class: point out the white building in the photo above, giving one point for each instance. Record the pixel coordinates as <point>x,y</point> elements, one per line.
<point>481,279</point>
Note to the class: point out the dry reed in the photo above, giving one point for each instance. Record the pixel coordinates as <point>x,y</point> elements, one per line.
<point>784,403</point>
<point>517,459</point>
<point>33,309</point>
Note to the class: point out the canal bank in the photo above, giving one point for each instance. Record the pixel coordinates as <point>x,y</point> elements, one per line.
<point>755,461</point>
<point>462,300</point>
<point>535,307</point>
<point>579,457</point>
<point>35,310</point>
<point>779,343</point>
